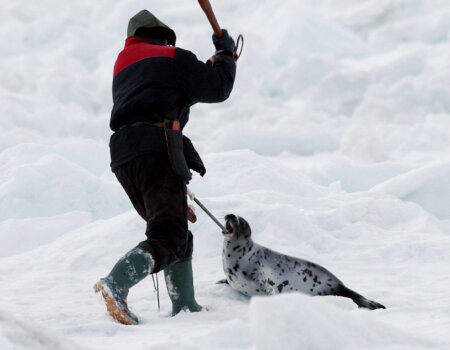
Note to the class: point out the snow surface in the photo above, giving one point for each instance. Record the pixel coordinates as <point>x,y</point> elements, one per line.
<point>334,146</point>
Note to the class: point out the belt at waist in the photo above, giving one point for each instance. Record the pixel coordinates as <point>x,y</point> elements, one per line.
<point>173,125</point>
<point>138,124</point>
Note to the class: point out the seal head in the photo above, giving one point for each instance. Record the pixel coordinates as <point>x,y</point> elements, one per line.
<point>237,227</point>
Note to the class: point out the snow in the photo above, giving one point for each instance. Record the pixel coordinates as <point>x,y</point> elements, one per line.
<point>306,329</point>
<point>333,145</point>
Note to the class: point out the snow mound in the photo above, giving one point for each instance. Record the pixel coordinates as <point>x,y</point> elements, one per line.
<point>429,186</point>
<point>295,321</point>
<point>19,334</point>
<point>52,185</point>
<point>20,235</point>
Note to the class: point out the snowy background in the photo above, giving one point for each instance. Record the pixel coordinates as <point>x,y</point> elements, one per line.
<point>334,146</point>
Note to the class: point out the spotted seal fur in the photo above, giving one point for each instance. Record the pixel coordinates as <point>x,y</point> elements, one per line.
<point>256,270</point>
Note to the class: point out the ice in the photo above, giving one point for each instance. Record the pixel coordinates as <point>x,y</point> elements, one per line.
<point>53,185</point>
<point>20,334</point>
<point>429,186</point>
<point>21,235</point>
<point>334,146</point>
<point>302,322</point>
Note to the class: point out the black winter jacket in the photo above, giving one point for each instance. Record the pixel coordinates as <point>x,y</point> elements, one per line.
<point>153,83</point>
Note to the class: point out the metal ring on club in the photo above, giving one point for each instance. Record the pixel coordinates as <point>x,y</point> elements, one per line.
<point>239,47</point>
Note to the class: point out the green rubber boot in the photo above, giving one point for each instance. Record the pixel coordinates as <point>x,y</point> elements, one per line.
<point>180,285</point>
<point>128,271</point>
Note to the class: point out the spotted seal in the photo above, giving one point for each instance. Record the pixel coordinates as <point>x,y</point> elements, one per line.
<point>256,270</point>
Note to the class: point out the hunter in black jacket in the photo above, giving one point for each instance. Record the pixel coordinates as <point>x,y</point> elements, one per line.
<point>154,85</point>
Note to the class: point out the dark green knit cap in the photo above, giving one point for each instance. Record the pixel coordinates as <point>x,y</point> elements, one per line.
<point>146,21</point>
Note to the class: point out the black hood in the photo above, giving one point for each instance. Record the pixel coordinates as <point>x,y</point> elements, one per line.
<point>146,24</point>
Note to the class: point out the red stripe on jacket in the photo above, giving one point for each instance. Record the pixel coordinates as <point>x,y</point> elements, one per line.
<point>137,49</point>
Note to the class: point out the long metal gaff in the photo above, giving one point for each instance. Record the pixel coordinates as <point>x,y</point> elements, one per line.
<point>192,197</point>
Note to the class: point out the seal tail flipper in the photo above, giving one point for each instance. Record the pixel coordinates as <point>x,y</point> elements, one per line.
<point>358,299</point>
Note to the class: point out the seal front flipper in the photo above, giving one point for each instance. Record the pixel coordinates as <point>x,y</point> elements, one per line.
<point>263,288</point>
<point>224,281</point>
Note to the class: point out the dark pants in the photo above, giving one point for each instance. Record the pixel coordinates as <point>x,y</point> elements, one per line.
<point>159,196</point>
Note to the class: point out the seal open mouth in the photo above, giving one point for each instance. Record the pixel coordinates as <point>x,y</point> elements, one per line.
<point>229,227</point>
<point>230,221</point>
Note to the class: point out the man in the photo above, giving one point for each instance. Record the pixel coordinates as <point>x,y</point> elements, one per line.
<point>154,86</point>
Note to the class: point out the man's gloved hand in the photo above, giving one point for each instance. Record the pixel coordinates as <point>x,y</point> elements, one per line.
<point>225,43</point>
<point>191,214</point>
